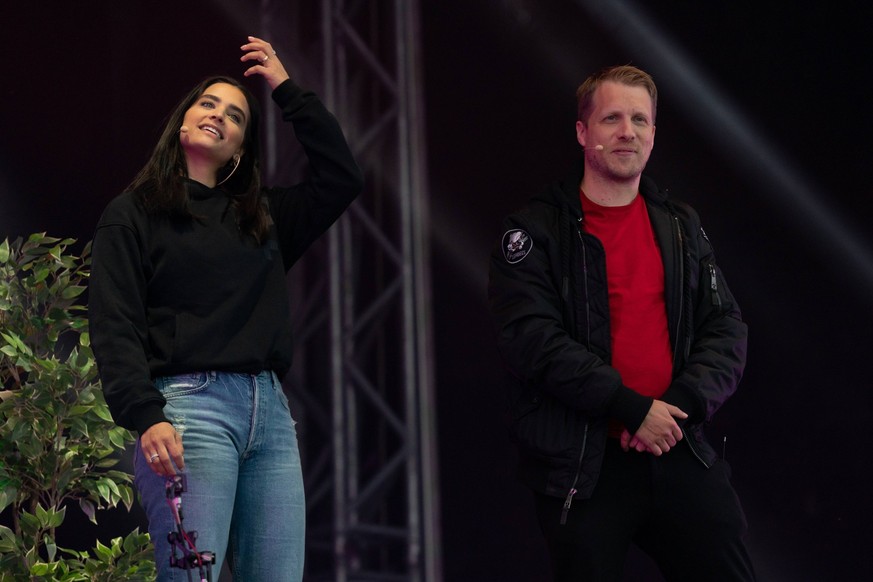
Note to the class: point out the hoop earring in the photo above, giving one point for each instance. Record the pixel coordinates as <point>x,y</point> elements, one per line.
<point>236,158</point>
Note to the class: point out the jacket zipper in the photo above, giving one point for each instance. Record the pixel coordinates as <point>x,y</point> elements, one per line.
<point>569,499</point>
<point>713,285</point>
<point>693,448</point>
<point>713,280</point>
<point>585,282</point>
<point>681,286</point>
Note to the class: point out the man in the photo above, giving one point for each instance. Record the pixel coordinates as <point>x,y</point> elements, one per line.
<point>623,340</point>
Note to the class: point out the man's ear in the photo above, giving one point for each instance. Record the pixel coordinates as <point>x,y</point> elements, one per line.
<point>581,133</point>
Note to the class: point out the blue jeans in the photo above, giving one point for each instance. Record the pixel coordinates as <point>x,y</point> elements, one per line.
<point>244,494</point>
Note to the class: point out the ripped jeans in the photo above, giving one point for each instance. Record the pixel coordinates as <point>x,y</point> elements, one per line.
<point>244,494</point>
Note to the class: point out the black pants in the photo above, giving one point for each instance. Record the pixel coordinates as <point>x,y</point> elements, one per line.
<point>685,516</point>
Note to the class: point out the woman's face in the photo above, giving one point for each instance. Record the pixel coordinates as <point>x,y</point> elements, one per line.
<point>214,126</point>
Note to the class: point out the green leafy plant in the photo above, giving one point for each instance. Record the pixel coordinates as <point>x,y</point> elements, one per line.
<point>58,443</point>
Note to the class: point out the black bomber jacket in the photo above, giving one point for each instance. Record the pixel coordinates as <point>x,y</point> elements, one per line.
<point>548,298</point>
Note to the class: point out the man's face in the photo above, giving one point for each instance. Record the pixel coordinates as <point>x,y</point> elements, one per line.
<point>620,121</point>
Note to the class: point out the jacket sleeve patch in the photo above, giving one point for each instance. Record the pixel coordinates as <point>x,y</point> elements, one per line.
<point>516,245</point>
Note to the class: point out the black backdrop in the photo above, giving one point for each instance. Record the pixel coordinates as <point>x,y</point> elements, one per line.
<point>86,85</point>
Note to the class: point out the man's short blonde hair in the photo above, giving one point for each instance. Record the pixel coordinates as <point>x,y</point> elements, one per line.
<point>624,74</point>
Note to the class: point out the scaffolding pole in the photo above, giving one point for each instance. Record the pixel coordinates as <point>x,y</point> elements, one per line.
<point>362,385</point>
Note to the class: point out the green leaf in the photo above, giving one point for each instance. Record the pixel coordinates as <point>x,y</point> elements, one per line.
<point>30,558</point>
<point>42,238</point>
<point>50,546</point>
<point>116,437</point>
<point>112,486</point>
<point>78,410</point>
<point>72,291</point>
<point>4,251</point>
<point>80,427</point>
<point>106,463</point>
<point>88,395</point>
<point>29,255</point>
<point>14,340</point>
<point>56,517</point>
<point>7,496</point>
<point>102,411</point>
<point>9,541</point>
<point>104,553</point>
<point>7,546</point>
<point>40,275</point>
<point>127,496</point>
<point>40,569</point>
<point>29,524</point>
<point>42,515</point>
<point>74,553</point>
<point>64,478</point>
<point>103,490</point>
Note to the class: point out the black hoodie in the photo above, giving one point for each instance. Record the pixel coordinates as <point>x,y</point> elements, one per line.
<point>171,296</point>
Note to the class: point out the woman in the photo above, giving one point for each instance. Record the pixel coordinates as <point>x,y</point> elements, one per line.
<point>189,317</point>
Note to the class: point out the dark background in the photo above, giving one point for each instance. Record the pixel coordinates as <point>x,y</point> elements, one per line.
<point>764,126</point>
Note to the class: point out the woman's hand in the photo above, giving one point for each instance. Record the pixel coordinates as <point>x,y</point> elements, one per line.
<point>161,446</point>
<point>267,63</point>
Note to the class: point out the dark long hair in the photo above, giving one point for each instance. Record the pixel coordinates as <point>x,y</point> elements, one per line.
<point>160,184</point>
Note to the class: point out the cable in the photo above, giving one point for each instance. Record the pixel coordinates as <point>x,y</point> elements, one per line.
<point>184,553</point>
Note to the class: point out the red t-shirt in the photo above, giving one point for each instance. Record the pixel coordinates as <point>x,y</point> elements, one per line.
<point>641,349</point>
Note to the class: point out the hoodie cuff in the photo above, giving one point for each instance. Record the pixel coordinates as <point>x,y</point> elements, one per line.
<point>148,415</point>
<point>679,397</point>
<point>285,92</point>
<point>630,408</point>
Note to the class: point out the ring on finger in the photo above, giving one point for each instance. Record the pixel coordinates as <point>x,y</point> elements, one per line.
<point>154,458</point>
<point>266,57</point>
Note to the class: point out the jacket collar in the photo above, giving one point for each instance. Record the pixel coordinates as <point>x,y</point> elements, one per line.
<point>566,191</point>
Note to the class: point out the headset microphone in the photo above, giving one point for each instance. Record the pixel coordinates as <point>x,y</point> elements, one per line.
<point>184,129</point>
<point>598,147</point>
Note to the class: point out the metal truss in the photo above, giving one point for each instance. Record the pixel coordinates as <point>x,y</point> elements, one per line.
<point>362,385</point>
